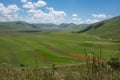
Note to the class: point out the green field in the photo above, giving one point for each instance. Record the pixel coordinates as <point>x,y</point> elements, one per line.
<point>29,44</point>
<point>52,47</point>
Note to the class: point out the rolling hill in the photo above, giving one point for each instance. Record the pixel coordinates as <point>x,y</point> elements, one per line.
<point>15,26</point>
<point>23,26</point>
<point>72,26</point>
<point>108,29</point>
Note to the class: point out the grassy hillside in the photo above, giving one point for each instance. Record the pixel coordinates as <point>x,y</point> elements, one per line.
<point>14,26</point>
<point>108,29</point>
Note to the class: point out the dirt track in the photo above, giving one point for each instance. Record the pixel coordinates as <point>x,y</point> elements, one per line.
<point>87,57</point>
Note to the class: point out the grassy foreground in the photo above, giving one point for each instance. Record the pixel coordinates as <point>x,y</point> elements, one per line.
<point>90,70</point>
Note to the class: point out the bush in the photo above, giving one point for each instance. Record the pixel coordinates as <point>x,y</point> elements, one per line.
<point>114,63</point>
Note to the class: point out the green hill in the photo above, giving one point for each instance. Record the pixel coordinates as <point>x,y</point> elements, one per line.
<point>15,26</point>
<point>108,29</point>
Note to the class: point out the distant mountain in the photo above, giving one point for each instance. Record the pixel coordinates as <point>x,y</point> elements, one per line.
<point>45,26</point>
<point>23,26</point>
<point>107,29</point>
<point>72,26</point>
<point>66,25</point>
<point>61,26</point>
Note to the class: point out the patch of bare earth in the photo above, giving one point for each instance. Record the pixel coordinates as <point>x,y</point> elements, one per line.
<point>87,57</point>
<point>40,57</point>
<point>73,55</point>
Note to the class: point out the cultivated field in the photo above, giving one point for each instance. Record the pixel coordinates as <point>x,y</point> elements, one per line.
<point>52,47</point>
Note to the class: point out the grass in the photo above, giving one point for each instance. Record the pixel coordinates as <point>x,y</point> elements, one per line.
<point>90,70</point>
<point>50,47</point>
<point>110,29</point>
<point>56,55</point>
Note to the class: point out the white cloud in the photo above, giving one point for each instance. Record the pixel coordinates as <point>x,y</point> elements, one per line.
<point>23,1</point>
<point>89,21</point>
<point>99,15</point>
<point>1,6</point>
<point>40,3</point>
<point>34,14</point>
<point>56,13</point>
<point>8,13</point>
<point>53,16</point>
<point>74,15</point>
<point>13,8</point>
<point>28,5</point>
<point>31,5</point>
<point>77,21</point>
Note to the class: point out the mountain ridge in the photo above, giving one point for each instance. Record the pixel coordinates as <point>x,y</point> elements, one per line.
<point>21,25</point>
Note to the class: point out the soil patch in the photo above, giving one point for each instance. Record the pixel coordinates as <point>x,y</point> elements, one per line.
<point>88,57</point>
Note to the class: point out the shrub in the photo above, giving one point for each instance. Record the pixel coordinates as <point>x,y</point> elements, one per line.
<point>114,63</point>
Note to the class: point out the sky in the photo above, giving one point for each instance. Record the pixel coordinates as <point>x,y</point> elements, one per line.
<point>58,11</point>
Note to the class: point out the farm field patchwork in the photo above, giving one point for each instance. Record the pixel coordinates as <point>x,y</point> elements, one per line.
<point>54,47</point>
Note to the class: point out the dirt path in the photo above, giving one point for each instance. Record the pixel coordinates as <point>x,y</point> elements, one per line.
<point>72,54</point>
<point>87,57</point>
<point>40,57</point>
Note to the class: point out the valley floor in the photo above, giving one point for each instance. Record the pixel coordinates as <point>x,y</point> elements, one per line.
<point>52,47</point>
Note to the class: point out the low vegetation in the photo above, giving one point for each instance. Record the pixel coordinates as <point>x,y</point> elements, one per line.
<point>90,70</point>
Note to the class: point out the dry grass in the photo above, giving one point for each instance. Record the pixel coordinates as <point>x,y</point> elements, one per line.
<point>91,70</point>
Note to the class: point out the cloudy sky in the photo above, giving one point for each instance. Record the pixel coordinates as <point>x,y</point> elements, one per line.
<point>58,11</point>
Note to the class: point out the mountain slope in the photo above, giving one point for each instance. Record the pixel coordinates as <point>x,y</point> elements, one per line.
<point>72,26</point>
<point>23,26</point>
<point>105,29</point>
<point>45,26</point>
<point>15,26</point>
